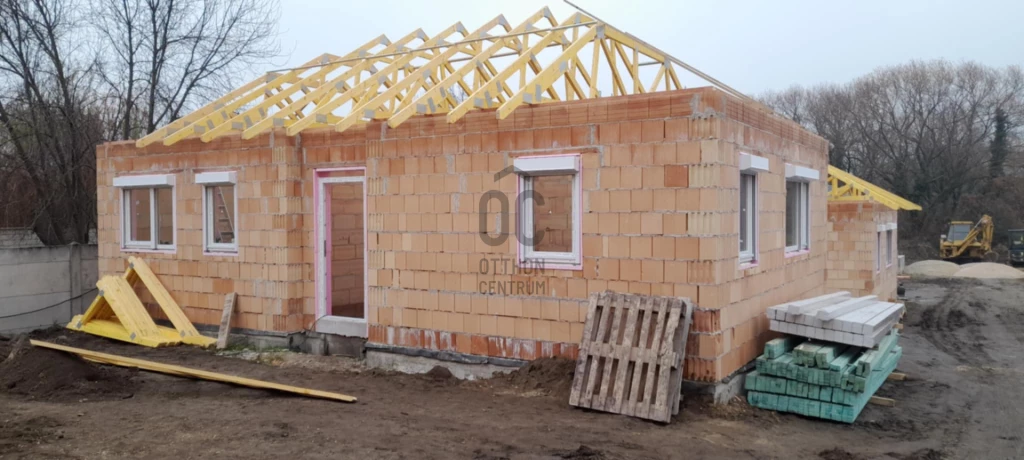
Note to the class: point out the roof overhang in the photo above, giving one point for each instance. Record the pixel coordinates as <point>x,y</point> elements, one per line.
<point>844,186</point>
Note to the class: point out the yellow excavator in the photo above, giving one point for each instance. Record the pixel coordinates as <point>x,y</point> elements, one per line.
<point>969,241</point>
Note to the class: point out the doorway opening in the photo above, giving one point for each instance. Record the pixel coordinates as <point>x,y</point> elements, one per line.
<point>341,253</point>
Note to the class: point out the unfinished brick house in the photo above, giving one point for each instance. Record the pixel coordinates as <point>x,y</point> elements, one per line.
<point>464,196</point>
<point>862,226</point>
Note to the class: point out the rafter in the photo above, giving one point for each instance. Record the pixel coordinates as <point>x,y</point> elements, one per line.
<point>844,186</point>
<point>394,81</point>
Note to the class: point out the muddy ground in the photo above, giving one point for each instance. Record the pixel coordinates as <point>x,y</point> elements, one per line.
<point>964,354</point>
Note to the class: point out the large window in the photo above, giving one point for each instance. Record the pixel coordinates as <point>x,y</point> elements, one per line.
<point>549,210</point>
<point>220,219</point>
<point>147,212</point>
<point>797,219</point>
<point>748,217</point>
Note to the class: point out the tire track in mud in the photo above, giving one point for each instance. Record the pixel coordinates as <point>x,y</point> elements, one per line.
<point>952,326</point>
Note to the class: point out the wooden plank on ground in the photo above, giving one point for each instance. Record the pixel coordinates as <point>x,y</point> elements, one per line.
<point>633,364</point>
<point>225,321</point>
<point>880,401</point>
<point>193,373</point>
<point>896,376</point>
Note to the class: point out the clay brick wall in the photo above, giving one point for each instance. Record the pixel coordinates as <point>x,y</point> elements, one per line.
<point>660,197</point>
<point>856,261</point>
<point>660,183</point>
<point>347,249</point>
<point>268,271</point>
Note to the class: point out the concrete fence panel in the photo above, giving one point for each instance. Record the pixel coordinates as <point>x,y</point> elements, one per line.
<point>43,286</point>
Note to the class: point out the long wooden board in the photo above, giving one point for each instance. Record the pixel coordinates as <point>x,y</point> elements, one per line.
<point>631,355</point>
<point>181,371</point>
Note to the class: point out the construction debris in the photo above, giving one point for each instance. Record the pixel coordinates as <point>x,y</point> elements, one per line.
<point>630,361</point>
<point>820,379</point>
<point>861,322</point>
<point>117,313</point>
<point>180,371</point>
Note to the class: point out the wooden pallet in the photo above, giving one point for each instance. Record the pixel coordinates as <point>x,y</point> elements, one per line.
<point>630,361</point>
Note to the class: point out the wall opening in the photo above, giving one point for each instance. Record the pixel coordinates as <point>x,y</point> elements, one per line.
<point>346,249</point>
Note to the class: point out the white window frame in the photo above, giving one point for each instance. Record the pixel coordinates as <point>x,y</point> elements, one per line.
<point>209,180</point>
<point>804,176</point>
<point>152,183</point>
<point>803,219</point>
<point>878,251</point>
<point>750,165</point>
<point>750,232</point>
<point>553,165</point>
<point>888,245</point>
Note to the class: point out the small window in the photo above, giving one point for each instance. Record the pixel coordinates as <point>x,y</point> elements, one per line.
<point>147,212</point>
<point>889,257</point>
<point>220,219</point>
<point>748,217</point>
<point>878,252</point>
<point>797,219</point>
<point>549,210</point>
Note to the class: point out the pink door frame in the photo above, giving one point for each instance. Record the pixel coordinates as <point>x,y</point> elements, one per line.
<point>320,247</point>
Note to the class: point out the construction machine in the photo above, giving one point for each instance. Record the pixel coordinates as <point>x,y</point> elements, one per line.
<point>968,241</point>
<point>1016,246</point>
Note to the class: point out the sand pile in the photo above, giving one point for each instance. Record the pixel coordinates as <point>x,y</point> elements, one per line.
<point>939,268</point>
<point>989,270</point>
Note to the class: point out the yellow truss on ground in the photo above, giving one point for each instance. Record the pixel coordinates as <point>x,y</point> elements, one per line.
<point>497,66</point>
<point>844,186</point>
<point>117,313</point>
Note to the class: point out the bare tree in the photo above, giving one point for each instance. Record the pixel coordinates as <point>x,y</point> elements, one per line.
<point>920,129</point>
<point>48,129</point>
<point>169,56</point>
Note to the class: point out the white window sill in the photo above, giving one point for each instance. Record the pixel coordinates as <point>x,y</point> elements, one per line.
<point>748,265</point>
<point>151,251</point>
<point>220,253</point>
<point>797,252</point>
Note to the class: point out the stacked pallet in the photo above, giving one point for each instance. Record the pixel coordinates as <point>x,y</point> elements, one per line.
<point>823,380</point>
<point>861,321</point>
<point>838,353</point>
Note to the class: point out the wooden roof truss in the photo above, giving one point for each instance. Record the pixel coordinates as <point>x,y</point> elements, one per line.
<point>844,186</point>
<point>497,66</point>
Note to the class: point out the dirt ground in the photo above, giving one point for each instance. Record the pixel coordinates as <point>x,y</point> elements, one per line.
<point>964,355</point>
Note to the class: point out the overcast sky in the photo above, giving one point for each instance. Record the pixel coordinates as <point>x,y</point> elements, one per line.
<point>752,45</point>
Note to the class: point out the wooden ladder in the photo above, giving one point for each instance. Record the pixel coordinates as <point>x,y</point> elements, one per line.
<point>222,215</point>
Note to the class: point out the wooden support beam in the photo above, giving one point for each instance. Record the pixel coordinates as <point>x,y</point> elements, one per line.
<point>880,401</point>
<point>531,92</point>
<point>182,371</point>
<point>371,85</point>
<point>428,102</point>
<point>482,96</point>
<point>439,61</point>
<point>897,376</point>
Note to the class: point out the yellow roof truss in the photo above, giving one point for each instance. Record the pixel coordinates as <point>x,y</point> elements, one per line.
<point>844,186</point>
<point>497,66</point>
